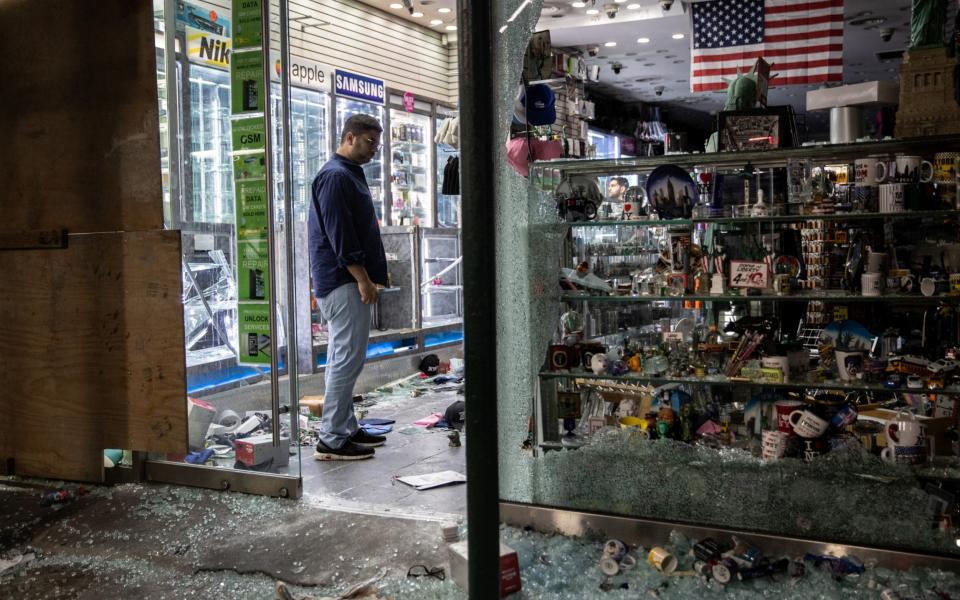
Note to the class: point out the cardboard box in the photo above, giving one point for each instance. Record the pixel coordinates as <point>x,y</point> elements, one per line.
<point>258,449</point>
<point>509,567</point>
<point>936,427</point>
<point>313,403</point>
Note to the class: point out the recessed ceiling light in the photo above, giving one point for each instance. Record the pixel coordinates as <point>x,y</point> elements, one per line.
<point>609,44</point>
<point>396,6</point>
<point>593,11</point>
<point>643,40</point>
<point>619,1</point>
<point>578,4</point>
<point>451,27</point>
<point>633,6</point>
<point>436,21</point>
<point>443,11</point>
<point>649,64</point>
<point>677,62</point>
<point>416,15</point>
<point>677,36</point>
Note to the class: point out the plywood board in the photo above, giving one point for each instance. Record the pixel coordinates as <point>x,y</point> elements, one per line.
<point>95,354</point>
<point>79,116</point>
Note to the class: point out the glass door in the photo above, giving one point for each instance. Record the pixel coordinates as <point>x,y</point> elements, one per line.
<point>231,422</point>
<point>374,170</point>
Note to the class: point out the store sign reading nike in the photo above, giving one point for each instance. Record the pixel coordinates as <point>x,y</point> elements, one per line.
<point>208,48</point>
<point>357,86</point>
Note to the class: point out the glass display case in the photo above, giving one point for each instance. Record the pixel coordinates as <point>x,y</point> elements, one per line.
<point>310,146</point>
<point>759,351</point>
<point>374,170</point>
<point>607,144</point>
<point>209,291</point>
<point>411,169</point>
<point>211,166</point>
<point>441,277</point>
<point>448,205</point>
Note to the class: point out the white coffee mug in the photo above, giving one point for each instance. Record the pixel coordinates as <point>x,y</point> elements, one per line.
<point>872,284</point>
<point>808,425</point>
<point>875,261</point>
<point>907,169</point>
<point>866,171</point>
<point>631,211</point>
<point>904,430</point>
<point>891,197</point>
<point>849,363</point>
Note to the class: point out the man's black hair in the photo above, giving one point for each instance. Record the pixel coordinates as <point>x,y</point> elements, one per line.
<point>359,124</point>
<point>621,181</point>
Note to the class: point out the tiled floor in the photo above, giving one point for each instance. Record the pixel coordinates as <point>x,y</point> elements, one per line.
<point>410,450</point>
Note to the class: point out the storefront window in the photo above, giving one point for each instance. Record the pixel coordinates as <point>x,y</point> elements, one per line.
<point>831,487</point>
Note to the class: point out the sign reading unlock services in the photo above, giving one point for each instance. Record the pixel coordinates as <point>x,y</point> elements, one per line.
<point>358,86</point>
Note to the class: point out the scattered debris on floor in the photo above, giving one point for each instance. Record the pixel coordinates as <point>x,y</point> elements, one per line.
<point>433,480</point>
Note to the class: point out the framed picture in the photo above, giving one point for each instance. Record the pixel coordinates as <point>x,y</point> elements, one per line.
<point>759,129</point>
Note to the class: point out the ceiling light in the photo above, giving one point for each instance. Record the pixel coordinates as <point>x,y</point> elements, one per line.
<point>619,1</point>
<point>436,21</point>
<point>609,44</point>
<point>443,11</point>
<point>643,40</point>
<point>451,27</point>
<point>396,6</point>
<point>593,11</point>
<point>633,6</point>
<point>416,15</point>
<point>677,36</point>
<point>578,4</point>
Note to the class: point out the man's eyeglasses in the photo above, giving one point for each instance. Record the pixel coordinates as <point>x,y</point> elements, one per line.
<point>374,144</point>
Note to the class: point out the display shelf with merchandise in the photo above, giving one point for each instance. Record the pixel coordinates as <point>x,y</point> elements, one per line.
<point>846,323</point>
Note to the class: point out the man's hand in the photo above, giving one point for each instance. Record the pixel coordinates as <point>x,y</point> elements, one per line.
<point>369,294</point>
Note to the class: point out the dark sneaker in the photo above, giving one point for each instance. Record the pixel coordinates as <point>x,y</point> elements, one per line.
<point>348,451</point>
<point>367,440</point>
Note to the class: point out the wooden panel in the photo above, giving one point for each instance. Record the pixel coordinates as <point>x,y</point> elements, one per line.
<point>95,355</point>
<point>79,116</point>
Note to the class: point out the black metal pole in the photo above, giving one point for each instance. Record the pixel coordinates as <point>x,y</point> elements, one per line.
<point>476,191</point>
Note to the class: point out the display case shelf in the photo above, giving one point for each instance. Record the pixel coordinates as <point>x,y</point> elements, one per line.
<point>823,296</point>
<point>588,378</point>
<point>764,158</point>
<point>858,216</point>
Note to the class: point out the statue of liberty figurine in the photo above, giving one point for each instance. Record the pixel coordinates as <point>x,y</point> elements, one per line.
<point>927,20</point>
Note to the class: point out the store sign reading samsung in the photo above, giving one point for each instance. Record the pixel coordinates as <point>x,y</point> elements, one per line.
<point>360,87</point>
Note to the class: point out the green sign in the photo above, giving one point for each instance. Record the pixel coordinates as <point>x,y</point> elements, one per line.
<point>253,269</point>
<point>249,134</point>
<point>246,82</point>
<point>251,208</point>
<point>247,22</point>
<point>254,326</point>
<point>249,167</point>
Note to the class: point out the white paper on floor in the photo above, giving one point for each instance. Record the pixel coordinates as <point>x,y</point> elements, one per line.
<point>432,480</point>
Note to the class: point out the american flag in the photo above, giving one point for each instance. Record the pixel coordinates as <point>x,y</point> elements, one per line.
<point>801,39</point>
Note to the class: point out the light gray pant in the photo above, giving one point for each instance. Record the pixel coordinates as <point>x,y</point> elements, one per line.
<point>348,327</point>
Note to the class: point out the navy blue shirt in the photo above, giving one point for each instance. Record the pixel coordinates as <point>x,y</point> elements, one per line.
<point>343,227</point>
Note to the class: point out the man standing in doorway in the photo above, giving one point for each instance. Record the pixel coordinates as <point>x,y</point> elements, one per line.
<point>347,263</point>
